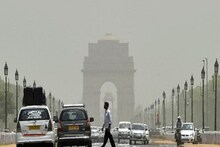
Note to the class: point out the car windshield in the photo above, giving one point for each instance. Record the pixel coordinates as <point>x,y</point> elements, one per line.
<point>34,114</point>
<point>187,127</point>
<point>137,127</point>
<point>73,114</point>
<point>124,125</point>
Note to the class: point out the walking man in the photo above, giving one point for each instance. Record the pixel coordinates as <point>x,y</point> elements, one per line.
<point>107,125</point>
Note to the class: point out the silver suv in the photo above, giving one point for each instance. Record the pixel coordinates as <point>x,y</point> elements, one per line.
<point>34,126</point>
<point>73,126</point>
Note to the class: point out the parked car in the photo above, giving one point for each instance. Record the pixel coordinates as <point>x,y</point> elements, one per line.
<point>74,126</point>
<point>95,131</point>
<point>187,132</point>
<point>34,125</point>
<point>124,130</point>
<point>138,133</point>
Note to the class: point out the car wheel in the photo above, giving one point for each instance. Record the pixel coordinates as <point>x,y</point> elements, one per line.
<point>90,144</point>
<point>59,145</point>
<point>19,145</point>
<point>118,140</point>
<point>130,142</point>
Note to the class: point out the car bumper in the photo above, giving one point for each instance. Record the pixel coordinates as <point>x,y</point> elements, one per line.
<point>123,136</point>
<point>82,140</point>
<point>138,138</point>
<point>187,139</point>
<point>47,138</point>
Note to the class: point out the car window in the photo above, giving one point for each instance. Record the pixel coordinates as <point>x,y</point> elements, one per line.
<point>73,114</point>
<point>124,125</point>
<point>137,127</point>
<point>187,127</point>
<point>34,114</point>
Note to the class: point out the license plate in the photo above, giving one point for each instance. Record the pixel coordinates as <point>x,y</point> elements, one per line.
<point>73,128</point>
<point>34,127</point>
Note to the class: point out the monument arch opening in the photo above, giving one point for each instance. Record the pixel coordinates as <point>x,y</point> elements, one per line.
<point>108,93</point>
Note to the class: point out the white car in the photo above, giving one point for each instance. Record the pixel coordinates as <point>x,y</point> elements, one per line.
<point>187,132</point>
<point>34,126</point>
<point>138,133</point>
<point>124,130</point>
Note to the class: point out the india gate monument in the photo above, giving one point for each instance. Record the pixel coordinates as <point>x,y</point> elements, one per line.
<point>108,63</point>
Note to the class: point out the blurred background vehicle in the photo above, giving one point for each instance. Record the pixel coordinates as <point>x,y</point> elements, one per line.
<point>138,133</point>
<point>124,130</point>
<point>95,132</point>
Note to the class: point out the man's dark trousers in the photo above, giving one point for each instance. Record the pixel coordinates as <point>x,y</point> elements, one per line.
<point>108,135</point>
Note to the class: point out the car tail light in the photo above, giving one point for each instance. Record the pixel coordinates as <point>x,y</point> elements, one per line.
<point>59,127</point>
<point>50,126</point>
<point>18,127</point>
<point>88,123</point>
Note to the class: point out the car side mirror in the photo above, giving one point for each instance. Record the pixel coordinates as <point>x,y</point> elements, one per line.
<point>91,119</point>
<point>15,119</point>
<point>55,118</point>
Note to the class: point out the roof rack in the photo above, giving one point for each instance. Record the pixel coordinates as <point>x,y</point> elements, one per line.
<point>73,105</point>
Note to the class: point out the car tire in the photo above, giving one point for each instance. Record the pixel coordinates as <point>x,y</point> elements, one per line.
<point>59,145</point>
<point>89,144</point>
<point>19,145</point>
<point>130,142</point>
<point>118,140</point>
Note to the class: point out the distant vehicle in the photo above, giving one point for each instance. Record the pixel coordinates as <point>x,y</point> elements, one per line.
<point>74,126</point>
<point>187,132</point>
<point>95,131</point>
<point>124,130</point>
<point>34,124</point>
<point>138,133</point>
<point>114,132</point>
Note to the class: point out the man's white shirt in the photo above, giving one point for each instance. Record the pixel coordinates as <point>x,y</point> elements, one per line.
<point>107,118</point>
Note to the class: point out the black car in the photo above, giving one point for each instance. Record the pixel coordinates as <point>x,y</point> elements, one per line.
<point>73,126</point>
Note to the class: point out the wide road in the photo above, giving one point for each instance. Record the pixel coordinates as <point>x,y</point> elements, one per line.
<point>157,143</point>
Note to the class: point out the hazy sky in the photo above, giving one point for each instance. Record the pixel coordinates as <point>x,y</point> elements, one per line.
<point>48,40</point>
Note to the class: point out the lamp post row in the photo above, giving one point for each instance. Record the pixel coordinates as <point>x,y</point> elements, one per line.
<point>216,66</point>
<point>16,101</point>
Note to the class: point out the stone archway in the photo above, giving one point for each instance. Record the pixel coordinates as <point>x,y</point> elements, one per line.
<point>109,60</point>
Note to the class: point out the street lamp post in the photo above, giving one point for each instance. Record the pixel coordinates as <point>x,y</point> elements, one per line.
<point>185,88</point>
<point>216,76</point>
<point>6,109</point>
<point>34,84</point>
<point>178,100</point>
<point>164,109</point>
<point>172,106</point>
<point>203,77</point>
<point>158,117</point>
<point>53,106</point>
<point>192,83</point>
<point>155,115</point>
<point>16,78</point>
<point>24,82</point>
<point>50,97</point>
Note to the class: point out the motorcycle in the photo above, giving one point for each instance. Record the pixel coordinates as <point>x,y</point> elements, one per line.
<point>178,137</point>
<point>198,136</point>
